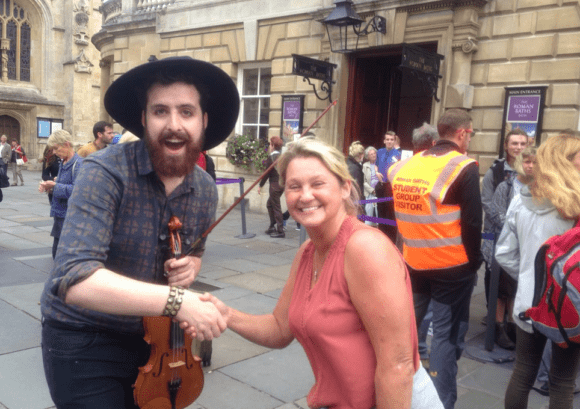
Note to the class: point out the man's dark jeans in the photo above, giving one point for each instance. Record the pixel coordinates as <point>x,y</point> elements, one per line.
<point>90,369</point>
<point>450,301</point>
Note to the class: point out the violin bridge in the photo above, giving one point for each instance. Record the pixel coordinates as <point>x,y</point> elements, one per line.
<point>177,364</point>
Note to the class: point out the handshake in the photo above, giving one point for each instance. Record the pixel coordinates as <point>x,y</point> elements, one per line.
<point>203,316</point>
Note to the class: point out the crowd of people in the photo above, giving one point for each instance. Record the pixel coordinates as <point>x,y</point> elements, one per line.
<point>357,294</point>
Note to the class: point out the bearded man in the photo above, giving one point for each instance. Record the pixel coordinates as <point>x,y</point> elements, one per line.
<point>111,268</point>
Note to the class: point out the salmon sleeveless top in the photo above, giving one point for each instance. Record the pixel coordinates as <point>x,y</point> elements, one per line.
<point>328,327</point>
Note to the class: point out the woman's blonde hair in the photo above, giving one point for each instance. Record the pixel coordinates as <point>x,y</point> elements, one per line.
<point>556,177</point>
<point>522,157</point>
<point>331,157</point>
<point>355,149</point>
<point>59,138</point>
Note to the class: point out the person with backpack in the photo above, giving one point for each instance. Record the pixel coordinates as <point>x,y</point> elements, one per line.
<point>505,192</point>
<point>501,170</point>
<point>549,206</point>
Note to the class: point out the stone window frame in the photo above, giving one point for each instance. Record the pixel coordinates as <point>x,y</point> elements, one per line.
<point>18,58</point>
<point>257,101</point>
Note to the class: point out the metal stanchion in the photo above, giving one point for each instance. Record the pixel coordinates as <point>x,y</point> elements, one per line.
<point>244,234</point>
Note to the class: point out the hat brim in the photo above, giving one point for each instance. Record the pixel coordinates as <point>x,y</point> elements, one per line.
<point>222,107</point>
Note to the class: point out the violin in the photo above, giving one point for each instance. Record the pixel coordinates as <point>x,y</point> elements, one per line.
<point>173,377</point>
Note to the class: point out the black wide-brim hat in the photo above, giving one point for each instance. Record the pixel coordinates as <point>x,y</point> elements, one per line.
<point>125,98</point>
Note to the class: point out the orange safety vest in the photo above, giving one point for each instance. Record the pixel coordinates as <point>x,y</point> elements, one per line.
<point>431,231</point>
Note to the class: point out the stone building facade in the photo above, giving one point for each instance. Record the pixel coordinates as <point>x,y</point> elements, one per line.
<point>50,74</point>
<point>485,46</point>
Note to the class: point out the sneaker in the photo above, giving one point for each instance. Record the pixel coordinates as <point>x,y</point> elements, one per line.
<point>278,235</point>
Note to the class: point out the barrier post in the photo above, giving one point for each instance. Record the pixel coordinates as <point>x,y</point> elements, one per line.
<point>244,234</point>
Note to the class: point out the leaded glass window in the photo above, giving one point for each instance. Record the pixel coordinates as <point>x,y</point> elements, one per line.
<point>15,26</point>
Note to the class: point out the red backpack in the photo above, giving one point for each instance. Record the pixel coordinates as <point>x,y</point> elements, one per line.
<point>555,312</point>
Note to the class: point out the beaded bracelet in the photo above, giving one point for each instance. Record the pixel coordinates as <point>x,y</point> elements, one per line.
<point>174,301</point>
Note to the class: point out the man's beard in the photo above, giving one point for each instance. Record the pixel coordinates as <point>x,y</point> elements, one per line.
<point>170,165</point>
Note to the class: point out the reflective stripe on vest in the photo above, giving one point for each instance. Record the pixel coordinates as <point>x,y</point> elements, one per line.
<point>431,231</point>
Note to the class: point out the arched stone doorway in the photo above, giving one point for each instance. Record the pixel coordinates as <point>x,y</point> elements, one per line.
<point>10,127</point>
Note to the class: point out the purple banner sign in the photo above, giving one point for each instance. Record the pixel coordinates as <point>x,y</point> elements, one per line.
<point>523,108</point>
<point>291,110</point>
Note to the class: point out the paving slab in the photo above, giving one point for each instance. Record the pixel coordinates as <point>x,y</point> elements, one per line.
<point>25,298</point>
<point>224,392</point>
<point>15,272</point>
<point>255,282</point>
<point>231,293</point>
<point>239,264</point>
<point>284,374</point>
<point>215,272</point>
<point>16,243</point>
<point>257,304</point>
<point>230,348</point>
<point>23,382</point>
<point>219,253</point>
<point>269,259</point>
<point>20,331</point>
<point>280,272</point>
<point>266,247</point>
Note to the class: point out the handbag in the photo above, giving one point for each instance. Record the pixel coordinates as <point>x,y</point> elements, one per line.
<point>19,162</point>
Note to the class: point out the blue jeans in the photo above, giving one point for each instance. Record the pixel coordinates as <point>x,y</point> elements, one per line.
<point>450,301</point>
<point>90,369</point>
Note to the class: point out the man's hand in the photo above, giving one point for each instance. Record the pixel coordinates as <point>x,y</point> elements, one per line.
<point>182,272</point>
<point>200,319</point>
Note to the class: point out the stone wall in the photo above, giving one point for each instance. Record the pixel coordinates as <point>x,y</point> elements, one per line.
<point>487,45</point>
<point>522,43</point>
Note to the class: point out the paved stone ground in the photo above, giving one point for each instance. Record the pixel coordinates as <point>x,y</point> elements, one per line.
<point>248,274</point>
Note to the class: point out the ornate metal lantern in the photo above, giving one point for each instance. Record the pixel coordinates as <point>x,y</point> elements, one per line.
<point>343,17</point>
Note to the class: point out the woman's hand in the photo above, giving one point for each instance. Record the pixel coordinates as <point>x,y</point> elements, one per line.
<point>200,319</point>
<point>182,272</point>
<point>46,186</point>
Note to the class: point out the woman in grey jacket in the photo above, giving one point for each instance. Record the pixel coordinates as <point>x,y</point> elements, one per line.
<point>548,207</point>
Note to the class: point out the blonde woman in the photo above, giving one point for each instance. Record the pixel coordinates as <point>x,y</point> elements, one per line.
<point>348,296</point>
<point>61,144</point>
<point>356,153</point>
<point>550,206</point>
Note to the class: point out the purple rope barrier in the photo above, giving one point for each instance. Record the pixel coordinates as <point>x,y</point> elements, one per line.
<point>224,181</point>
<point>379,200</point>
<point>364,217</point>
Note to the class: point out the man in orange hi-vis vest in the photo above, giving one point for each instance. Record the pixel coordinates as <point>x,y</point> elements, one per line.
<point>439,216</point>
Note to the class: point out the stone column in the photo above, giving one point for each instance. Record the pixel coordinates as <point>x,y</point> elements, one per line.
<point>4,48</point>
<point>465,28</point>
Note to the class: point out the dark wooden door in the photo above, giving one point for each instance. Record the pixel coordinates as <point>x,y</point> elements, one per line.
<point>10,127</point>
<point>382,97</point>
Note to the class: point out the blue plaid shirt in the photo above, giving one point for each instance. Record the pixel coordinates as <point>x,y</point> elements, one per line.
<point>117,219</point>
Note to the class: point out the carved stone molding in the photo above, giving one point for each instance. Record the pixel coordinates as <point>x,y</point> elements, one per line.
<point>82,63</point>
<point>104,63</point>
<point>441,4</point>
<point>467,46</point>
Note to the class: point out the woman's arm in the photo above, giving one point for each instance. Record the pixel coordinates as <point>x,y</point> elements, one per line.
<point>269,330</point>
<point>375,274</point>
<point>368,189</point>
<point>507,249</point>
